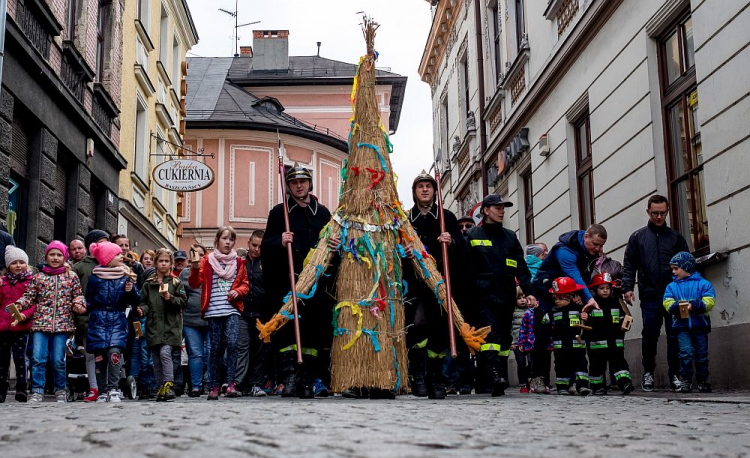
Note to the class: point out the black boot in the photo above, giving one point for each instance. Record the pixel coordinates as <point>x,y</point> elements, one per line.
<point>417,371</point>
<point>290,370</point>
<point>308,376</point>
<point>3,391</point>
<point>493,367</point>
<point>435,378</point>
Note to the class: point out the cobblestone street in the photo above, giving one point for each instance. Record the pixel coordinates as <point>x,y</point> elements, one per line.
<point>516,425</point>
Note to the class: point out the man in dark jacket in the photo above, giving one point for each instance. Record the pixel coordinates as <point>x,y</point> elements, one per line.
<point>252,353</point>
<point>307,217</point>
<point>572,256</point>
<point>496,261</point>
<point>428,336</point>
<point>647,257</point>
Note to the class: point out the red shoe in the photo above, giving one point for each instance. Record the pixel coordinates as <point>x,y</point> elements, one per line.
<point>92,396</point>
<point>213,394</point>
<point>524,390</point>
<point>232,392</point>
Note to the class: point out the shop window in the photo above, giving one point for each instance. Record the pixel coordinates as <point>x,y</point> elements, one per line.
<point>15,220</point>
<point>528,202</point>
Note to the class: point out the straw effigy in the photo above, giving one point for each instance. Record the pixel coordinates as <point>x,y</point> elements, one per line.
<point>369,346</point>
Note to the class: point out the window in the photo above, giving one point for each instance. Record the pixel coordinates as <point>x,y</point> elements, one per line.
<point>465,84</point>
<point>143,14</point>
<point>164,36</point>
<point>682,134</point>
<point>528,201</point>
<point>497,40</point>
<point>71,26</point>
<point>584,171</point>
<point>140,156</point>
<point>101,37</point>
<point>446,137</point>
<point>520,23</point>
<point>176,62</point>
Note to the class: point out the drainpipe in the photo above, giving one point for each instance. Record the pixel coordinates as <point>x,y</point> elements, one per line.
<point>480,83</point>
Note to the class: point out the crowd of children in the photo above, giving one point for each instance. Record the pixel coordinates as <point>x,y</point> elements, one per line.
<point>42,306</point>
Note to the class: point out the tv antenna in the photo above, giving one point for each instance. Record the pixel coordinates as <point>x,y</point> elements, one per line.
<point>235,15</point>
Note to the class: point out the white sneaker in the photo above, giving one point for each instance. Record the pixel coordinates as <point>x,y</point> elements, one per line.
<point>61,395</point>
<point>648,382</point>
<point>114,396</point>
<point>36,397</point>
<point>257,392</point>
<point>101,398</point>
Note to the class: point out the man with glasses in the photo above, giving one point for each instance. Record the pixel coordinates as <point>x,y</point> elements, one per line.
<point>647,257</point>
<point>465,223</point>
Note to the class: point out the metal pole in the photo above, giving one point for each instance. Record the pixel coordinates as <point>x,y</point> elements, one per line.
<point>290,259</point>
<point>446,266</point>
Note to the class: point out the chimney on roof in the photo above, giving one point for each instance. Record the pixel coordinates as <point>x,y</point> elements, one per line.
<point>270,50</point>
<point>246,51</point>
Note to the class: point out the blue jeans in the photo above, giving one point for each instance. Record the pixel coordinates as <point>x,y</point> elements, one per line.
<point>224,331</point>
<point>45,346</point>
<point>198,343</point>
<point>693,347</point>
<point>141,363</point>
<point>654,314</point>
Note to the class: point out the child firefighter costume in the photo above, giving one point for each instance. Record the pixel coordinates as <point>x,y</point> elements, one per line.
<point>369,345</point>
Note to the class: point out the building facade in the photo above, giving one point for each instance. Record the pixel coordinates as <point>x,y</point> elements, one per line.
<point>156,37</point>
<point>59,120</point>
<point>241,110</point>
<point>592,106</point>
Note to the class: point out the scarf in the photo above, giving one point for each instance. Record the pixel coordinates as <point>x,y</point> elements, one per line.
<point>17,278</point>
<point>111,273</point>
<point>228,271</point>
<point>52,271</point>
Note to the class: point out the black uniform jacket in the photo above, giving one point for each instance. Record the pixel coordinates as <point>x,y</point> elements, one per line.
<point>306,224</point>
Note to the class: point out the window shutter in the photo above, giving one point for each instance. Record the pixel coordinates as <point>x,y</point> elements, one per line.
<point>61,187</point>
<point>19,150</point>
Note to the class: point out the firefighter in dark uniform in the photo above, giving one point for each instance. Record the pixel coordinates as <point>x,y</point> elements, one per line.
<point>427,337</point>
<point>496,259</point>
<point>307,217</point>
<point>571,367</point>
<point>606,339</point>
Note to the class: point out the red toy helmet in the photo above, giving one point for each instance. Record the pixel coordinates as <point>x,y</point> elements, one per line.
<point>603,278</point>
<point>565,285</point>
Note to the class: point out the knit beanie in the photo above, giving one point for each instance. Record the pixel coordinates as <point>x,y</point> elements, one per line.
<point>57,245</point>
<point>13,253</point>
<point>104,252</point>
<point>684,261</point>
<point>534,250</point>
<point>94,236</point>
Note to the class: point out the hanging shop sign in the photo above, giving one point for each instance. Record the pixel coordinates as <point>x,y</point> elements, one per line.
<point>183,175</point>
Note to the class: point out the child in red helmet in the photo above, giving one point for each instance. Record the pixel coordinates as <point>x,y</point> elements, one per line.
<point>567,316</point>
<point>606,339</point>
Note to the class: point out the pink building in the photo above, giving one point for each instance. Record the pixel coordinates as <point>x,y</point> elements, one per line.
<point>236,106</point>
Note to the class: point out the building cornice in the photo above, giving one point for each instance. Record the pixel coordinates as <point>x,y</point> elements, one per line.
<point>437,42</point>
<point>583,33</point>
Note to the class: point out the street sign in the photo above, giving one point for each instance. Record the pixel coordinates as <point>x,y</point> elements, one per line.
<point>183,175</point>
<point>476,213</point>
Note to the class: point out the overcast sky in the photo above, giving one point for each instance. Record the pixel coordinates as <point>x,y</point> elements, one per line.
<point>400,40</point>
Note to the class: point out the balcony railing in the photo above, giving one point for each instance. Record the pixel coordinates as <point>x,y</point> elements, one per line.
<point>101,117</point>
<point>33,29</point>
<point>74,79</point>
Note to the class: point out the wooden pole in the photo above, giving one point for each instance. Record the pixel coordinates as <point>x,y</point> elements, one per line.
<point>446,266</point>
<point>290,258</point>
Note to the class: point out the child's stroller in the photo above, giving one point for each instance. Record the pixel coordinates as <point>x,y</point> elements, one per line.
<point>78,382</point>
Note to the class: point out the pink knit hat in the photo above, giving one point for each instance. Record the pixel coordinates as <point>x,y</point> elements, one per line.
<point>104,252</point>
<point>57,245</point>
